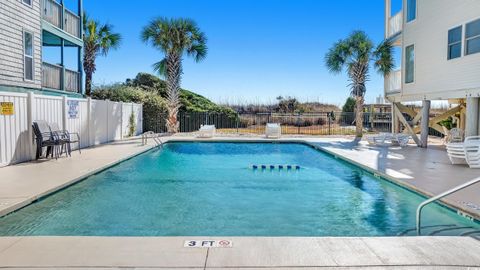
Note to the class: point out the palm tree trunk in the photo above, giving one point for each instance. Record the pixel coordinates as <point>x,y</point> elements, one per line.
<point>88,84</point>
<point>174,72</point>
<point>359,116</point>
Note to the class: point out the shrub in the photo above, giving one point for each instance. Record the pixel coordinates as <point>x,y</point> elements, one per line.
<point>132,125</point>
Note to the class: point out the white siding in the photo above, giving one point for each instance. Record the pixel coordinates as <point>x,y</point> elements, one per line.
<point>96,122</point>
<point>15,17</point>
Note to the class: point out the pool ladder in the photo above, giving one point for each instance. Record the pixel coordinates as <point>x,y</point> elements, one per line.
<point>152,135</point>
<point>418,227</point>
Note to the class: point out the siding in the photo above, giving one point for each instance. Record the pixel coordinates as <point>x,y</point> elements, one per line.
<point>14,18</point>
<point>435,76</point>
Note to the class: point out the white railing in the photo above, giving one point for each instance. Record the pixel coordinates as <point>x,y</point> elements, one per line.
<point>51,76</point>
<point>394,81</point>
<point>52,12</point>
<point>72,23</point>
<point>395,24</point>
<point>72,79</point>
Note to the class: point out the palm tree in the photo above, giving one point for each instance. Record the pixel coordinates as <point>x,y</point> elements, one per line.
<point>355,54</point>
<point>98,39</point>
<point>174,38</point>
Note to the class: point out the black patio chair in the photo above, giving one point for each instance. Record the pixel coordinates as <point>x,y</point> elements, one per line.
<point>65,138</point>
<point>43,138</point>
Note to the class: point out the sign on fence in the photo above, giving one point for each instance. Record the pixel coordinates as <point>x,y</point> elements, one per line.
<point>6,108</point>
<point>72,109</point>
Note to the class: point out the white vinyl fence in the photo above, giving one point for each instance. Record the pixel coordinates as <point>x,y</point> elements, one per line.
<point>96,121</point>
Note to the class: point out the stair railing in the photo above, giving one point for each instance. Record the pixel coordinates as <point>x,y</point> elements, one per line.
<point>438,197</point>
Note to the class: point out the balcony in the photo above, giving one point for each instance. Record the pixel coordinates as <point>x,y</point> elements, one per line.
<point>57,77</point>
<point>62,18</point>
<point>395,24</point>
<point>394,82</point>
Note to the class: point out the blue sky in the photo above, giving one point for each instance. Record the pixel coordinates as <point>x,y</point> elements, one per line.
<point>258,49</point>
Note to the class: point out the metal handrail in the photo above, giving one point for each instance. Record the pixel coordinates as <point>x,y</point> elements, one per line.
<point>155,138</point>
<point>440,196</point>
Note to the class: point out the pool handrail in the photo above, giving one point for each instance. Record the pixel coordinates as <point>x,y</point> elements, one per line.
<point>438,197</point>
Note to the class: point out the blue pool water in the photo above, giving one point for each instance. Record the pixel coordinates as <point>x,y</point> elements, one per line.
<point>210,189</point>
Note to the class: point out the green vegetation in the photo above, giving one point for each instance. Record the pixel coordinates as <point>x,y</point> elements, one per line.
<point>132,125</point>
<point>151,91</point>
<point>349,105</point>
<point>98,39</point>
<point>354,54</point>
<point>175,38</point>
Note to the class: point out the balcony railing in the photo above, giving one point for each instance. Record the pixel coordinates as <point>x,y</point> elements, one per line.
<point>53,12</point>
<point>72,81</point>
<point>395,24</point>
<point>72,23</point>
<point>394,81</point>
<point>52,78</point>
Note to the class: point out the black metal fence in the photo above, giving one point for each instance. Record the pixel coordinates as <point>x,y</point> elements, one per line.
<point>322,123</point>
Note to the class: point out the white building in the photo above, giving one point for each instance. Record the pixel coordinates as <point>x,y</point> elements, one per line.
<point>440,51</point>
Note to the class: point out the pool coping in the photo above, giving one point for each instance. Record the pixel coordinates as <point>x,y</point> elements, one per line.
<point>460,210</point>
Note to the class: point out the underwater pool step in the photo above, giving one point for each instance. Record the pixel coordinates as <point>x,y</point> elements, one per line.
<point>275,167</point>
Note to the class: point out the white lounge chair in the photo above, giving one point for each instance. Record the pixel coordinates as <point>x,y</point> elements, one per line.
<point>472,151</point>
<point>467,152</point>
<point>273,130</point>
<point>206,131</point>
<point>394,139</point>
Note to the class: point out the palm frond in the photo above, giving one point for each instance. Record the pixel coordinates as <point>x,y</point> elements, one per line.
<point>161,67</point>
<point>383,58</point>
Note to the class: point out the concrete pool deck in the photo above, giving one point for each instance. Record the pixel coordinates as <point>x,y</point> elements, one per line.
<point>427,171</point>
<point>246,253</point>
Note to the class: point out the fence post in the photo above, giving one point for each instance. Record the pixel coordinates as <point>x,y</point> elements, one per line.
<point>30,119</point>
<point>89,121</point>
<point>329,116</point>
<point>237,119</point>
<point>64,112</point>
<point>298,123</point>
<point>121,120</point>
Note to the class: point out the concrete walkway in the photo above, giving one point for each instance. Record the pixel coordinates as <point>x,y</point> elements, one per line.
<point>246,253</point>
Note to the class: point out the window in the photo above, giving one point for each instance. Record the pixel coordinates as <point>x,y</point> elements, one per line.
<point>27,2</point>
<point>455,43</point>
<point>411,10</point>
<point>409,64</point>
<point>472,37</point>
<point>28,55</point>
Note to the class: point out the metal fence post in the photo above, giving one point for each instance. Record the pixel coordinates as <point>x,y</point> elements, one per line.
<point>329,116</point>
<point>298,123</point>
<point>237,119</point>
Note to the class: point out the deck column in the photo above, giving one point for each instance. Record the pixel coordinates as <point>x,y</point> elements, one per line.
<point>425,123</point>
<point>472,115</point>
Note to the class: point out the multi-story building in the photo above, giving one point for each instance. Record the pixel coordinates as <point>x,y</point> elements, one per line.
<point>41,46</point>
<point>439,41</point>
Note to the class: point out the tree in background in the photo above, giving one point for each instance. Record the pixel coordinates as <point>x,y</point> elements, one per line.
<point>349,105</point>
<point>175,38</point>
<point>98,39</point>
<point>354,54</point>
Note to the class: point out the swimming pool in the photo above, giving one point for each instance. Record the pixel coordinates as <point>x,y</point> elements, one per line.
<point>210,189</point>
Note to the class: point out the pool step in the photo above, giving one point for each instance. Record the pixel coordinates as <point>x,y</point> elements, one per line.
<point>275,167</point>
<point>444,230</point>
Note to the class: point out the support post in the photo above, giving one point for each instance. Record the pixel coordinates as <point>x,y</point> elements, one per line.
<point>388,14</point>
<point>425,123</point>
<point>471,126</point>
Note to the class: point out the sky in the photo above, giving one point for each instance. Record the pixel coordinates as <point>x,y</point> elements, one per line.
<point>257,49</point>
